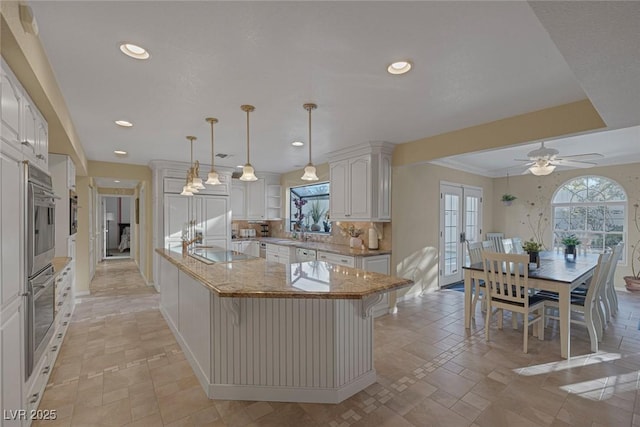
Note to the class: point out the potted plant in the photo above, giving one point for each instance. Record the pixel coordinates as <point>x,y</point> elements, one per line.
<point>633,282</point>
<point>316,214</point>
<point>533,248</point>
<point>570,242</point>
<point>507,199</point>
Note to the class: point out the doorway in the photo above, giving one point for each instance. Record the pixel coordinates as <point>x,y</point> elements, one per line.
<point>117,213</point>
<point>460,221</point>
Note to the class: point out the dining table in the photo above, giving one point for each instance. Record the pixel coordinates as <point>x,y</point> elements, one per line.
<point>555,273</point>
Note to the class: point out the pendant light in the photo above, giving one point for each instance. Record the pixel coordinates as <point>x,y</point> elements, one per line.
<point>213,175</point>
<point>310,170</point>
<point>190,188</point>
<point>196,181</point>
<point>248,173</point>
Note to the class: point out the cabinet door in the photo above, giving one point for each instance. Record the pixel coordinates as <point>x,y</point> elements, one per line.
<point>238,198</point>
<point>11,104</point>
<point>376,264</point>
<point>42,142</point>
<point>71,174</point>
<point>11,364</point>
<point>360,187</point>
<point>212,216</point>
<point>384,188</point>
<point>339,196</point>
<point>11,193</point>
<point>256,199</point>
<point>176,214</point>
<point>30,131</point>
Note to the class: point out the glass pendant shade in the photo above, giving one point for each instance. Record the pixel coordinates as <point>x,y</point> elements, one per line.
<point>213,178</point>
<point>309,170</point>
<point>248,173</point>
<point>541,170</point>
<point>197,183</point>
<point>186,191</point>
<point>310,173</point>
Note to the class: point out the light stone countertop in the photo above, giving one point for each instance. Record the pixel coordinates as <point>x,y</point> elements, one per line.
<point>318,246</point>
<point>59,264</point>
<point>258,278</point>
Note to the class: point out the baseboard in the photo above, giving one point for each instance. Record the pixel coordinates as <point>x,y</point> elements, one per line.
<point>291,394</point>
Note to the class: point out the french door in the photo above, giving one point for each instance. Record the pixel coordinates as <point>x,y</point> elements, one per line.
<point>460,220</point>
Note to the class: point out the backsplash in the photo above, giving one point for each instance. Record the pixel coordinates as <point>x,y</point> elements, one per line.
<point>277,229</point>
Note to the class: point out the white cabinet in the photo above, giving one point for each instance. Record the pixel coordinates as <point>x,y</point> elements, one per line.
<point>345,260</point>
<point>60,167</point>
<point>238,200</point>
<point>256,200</point>
<point>11,107</point>
<point>11,363</point>
<point>11,225</point>
<point>280,253</point>
<point>361,183</point>
<point>249,247</point>
<point>210,214</point>
<point>22,124</point>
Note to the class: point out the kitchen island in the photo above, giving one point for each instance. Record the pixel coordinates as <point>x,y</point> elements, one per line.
<point>258,330</point>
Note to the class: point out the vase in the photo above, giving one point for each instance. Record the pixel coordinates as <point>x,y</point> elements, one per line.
<point>355,242</point>
<point>316,227</point>
<point>507,202</point>
<point>534,258</point>
<point>570,253</point>
<point>632,283</point>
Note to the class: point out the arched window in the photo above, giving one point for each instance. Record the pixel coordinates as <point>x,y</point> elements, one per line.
<point>593,208</point>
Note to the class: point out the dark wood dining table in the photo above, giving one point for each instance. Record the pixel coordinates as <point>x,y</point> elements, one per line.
<point>555,273</point>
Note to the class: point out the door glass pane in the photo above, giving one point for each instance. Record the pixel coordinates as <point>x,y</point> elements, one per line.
<point>472,228</point>
<point>452,202</point>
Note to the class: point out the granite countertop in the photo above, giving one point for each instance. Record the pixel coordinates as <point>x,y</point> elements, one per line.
<point>258,278</point>
<point>59,264</point>
<point>319,246</point>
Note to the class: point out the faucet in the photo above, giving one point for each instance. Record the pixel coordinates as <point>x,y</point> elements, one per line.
<point>186,242</point>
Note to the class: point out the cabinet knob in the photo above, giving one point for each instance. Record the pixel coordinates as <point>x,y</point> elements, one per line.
<point>40,156</point>
<point>60,303</point>
<point>54,348</point>
<point>45,371</point>
<point>28,144</point>
<point>34,398</point>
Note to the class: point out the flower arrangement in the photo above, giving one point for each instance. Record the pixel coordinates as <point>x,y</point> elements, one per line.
<point>299,216</point>
<point>531,246</point>
<point>350,230</point>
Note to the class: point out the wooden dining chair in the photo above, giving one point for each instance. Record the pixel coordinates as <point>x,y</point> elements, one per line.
<point>489,246</point>
<point>496,238</point>
<point>608,297</point>
<point>586,306</point>
<point>507,246</point>
<point>474,249</point>
<point>507,287</point>
<point>517,245</point>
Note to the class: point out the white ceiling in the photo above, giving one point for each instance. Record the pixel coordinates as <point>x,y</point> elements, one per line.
<point>111,183</point>
<point>473,63</point>
<point>619,146</point>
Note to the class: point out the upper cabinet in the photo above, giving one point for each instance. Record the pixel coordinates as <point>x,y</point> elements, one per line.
<point>361,183</point>
<point>22,124</point>
<point>256,200</point>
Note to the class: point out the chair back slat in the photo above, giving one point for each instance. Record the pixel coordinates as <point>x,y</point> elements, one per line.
<point>475,252</point>
<point>600,275</point>
<point>517,245</point>
<point>488,245</point>
<point>496,238</point>
<point>613,263</point>
<point>507,277</point>
<point>507,246</point>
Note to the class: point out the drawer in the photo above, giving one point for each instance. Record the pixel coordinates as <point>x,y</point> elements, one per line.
<point>345,260</point>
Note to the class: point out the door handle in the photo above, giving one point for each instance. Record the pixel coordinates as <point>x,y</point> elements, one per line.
<point>463,237</point>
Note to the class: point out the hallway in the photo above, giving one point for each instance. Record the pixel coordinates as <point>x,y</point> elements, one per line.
<point>120,365</point>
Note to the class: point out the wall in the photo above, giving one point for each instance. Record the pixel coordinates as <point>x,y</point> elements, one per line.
<point>416,212</point>
<point>521,218</point>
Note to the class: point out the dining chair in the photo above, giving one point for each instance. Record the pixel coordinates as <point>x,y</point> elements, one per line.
<point>586,306</point>
<point>608,291</point>
<point>496,238</point>
<point>474,250</point>
<point>488,245</point>
<point>517,245</point>
<point>507,246</point>
<point>507,285</point>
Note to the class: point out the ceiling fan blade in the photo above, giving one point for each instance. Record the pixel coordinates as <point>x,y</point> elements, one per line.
<point>529,161</point>
<point>573,163</point>
<point>584,157</point>
<point>527,171</point>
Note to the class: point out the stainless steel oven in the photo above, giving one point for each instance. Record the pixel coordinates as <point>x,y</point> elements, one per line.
<point>73,213</point>
<point>40,315</point>
<point>41,220</point>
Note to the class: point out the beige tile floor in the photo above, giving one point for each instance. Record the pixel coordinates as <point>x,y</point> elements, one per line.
<point>120,365</point>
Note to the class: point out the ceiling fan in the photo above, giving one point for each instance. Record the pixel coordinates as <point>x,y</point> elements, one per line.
<point>543,161</point>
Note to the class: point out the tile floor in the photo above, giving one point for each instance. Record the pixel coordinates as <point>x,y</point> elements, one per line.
<point>120,365</point>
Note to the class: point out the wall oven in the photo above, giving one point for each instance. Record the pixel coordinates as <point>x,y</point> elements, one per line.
<point>40,315</point>
<point>41,221</point>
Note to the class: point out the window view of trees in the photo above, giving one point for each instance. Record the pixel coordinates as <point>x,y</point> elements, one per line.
<point>309,208</point>
<point>592,208</point>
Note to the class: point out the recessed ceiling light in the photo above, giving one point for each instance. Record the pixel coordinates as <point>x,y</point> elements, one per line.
<point>134,51</point>
<point>120,153</point>
<point>115,180</point>
<point>399,67</point>
<point>124,123</point>
<point>297,143</point>
<point>240,166</point>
